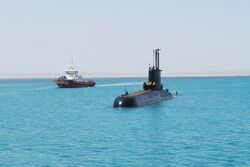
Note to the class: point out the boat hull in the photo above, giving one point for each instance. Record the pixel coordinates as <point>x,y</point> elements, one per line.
<point>142,98</point>
<point>74,84</point>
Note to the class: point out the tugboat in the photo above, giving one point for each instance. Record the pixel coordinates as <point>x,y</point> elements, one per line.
<point>72,79</point>
<point>152,92</point>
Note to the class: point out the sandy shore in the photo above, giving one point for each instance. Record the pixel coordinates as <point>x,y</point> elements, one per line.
<point>54,75</point>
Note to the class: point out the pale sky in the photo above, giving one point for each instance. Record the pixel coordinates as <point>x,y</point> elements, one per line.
<point>117,36</point>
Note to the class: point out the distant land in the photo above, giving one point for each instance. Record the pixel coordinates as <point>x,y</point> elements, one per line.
<point>121,75</point>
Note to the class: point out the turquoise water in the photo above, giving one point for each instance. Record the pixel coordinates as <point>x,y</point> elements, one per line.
<point>208,124</point>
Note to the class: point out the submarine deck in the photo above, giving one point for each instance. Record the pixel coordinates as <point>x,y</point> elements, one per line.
<point>137,93</point>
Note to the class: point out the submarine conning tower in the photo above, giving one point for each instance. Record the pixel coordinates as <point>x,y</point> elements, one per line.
<point>154,73</point>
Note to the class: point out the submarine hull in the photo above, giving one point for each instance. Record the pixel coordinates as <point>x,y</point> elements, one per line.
<point>142,98</point>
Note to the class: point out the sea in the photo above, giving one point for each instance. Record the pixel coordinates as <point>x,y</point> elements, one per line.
<point>207,124</point>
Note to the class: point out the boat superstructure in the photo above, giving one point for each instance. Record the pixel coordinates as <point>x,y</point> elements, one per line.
<point>72,79</point>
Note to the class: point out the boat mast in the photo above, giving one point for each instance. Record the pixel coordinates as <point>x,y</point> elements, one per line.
<point>72,62</point>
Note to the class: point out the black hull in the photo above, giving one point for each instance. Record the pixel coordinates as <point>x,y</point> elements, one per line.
<point>73,84</point>
<point>143,98</point>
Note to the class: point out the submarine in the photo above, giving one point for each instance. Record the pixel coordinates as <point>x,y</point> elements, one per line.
<point>153,91</point>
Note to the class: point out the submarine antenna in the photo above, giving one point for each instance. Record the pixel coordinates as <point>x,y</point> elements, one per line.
<point>153,58</point>
<point>159,58</point>
<point>126,92</point>
<point>156,58</point>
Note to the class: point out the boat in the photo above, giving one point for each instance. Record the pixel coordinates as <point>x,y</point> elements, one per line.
<point>153,91</point>
<point>72,79</point>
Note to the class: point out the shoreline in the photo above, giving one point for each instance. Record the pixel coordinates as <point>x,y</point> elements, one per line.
<point>124,76</point>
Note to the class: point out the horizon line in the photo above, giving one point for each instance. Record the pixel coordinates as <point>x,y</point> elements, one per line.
<point>131,76</point>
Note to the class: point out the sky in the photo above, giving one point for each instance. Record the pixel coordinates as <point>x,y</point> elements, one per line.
<point>117,36</point>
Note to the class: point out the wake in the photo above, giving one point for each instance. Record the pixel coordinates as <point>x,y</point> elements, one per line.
<point>120,84</point>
